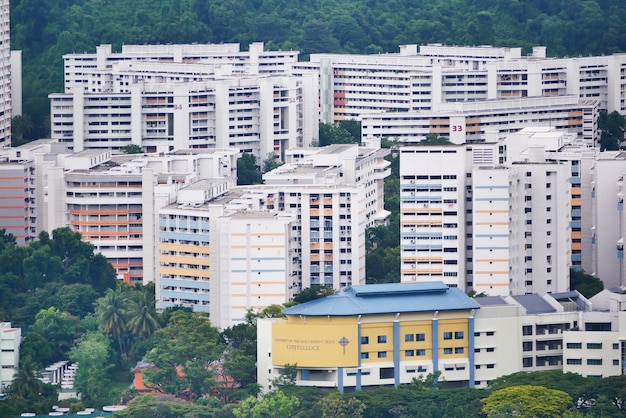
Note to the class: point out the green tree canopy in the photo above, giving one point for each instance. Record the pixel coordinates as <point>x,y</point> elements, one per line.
<point>275,405</point>
<point>612,126</point>
<point>527,401</point>
<point>586,284</point>
<point>247,170</point>
<point>183,352</point>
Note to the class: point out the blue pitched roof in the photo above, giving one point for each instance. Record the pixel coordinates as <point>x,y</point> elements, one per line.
<point>387,298</point>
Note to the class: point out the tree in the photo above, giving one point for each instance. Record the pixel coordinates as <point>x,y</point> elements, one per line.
<point>527,401</point>
<point>142,317</point>
<point>605,397</point>
<point>612,126</point>
<point>28,393</point>
<point>239,359</point>
<point>21,128</point>
<point>335,406</point>
<point>275,405</point>
<point>551,379</point>
<point>78,299</point>
<point>434,139</point>
<point>247,170</point>
<point>58,328</point>
<point>287,376</point>
<point>182,352</point>
<point>111,311</point>
<point>93,355</point>
<point>36,350</point>
<point>271,162</point>
<point>312,293</point>
<point>337,134</point>
<point>132,149</point>
<point>586,284</point>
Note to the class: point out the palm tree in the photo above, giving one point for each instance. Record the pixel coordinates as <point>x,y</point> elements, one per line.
<point>25,383</point>
<point>142,317</point>
<point>112,310</point>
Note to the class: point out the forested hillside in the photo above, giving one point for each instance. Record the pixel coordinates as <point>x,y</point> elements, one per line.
<point>47,29</point>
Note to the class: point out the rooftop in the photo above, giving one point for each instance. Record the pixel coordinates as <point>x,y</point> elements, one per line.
<point>389,298</point>
<point>534,304</point>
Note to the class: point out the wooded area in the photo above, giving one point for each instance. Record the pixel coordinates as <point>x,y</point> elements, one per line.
<point>46,29</point>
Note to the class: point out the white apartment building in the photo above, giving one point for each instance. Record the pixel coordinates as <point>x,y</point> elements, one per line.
<point>521,229</point>
<point>171,97</point>
<point>432,213</point>
<point>411,81</point>
<point>10,339</point>
<point>254,264</point>
<point>607,231</point>
<point>258,245</point>
<point>491,217</point>
<point>339,164</point>
<point>93,72</point>
<point>471,121</point>
<point>113,201</point>
<point>5,74</point>
<point>256,114</point>
<point>252,246</point>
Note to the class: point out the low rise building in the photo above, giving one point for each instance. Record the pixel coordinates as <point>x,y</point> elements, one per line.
<point>383,335</point>
<point>10,339</point>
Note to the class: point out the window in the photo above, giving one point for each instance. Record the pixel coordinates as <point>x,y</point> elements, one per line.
<point>409,353</point>
<point>386,373</point>
<point>594,362</point>
<point>365,355</point>
<point>615,346</point>
<point>459,335</point>
<point>594,346</point>
<point>420,352</point>
<point>527,362</point>
<point>527,346</point>
<point>420,337</point>
<point>615,362</point>
<point>382,354</point>
<point>459,350</point>
<point>574,345</point>
<point>382,339</point>
<point>491,366</point>
<point>490,349</point>
<point>490,333</point>
<point>447,351</point>
<point>574,361</point>
<point>409,338</point>
<point>365,340</point>
<point>447,335</point>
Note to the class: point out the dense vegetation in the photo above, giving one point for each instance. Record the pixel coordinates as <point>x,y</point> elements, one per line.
<point>47,29</point>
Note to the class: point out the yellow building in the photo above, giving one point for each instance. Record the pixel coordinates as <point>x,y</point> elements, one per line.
<point>372,335</point>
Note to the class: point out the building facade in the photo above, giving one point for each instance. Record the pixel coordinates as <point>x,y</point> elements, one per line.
<point>382,335</point>
<point>469,215</point>
<point>471,121</point>
<point>372,335</point>
<point>5,74</point>
<point>10,339</point>
<point>425,79</point>
<point>113,201</point>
